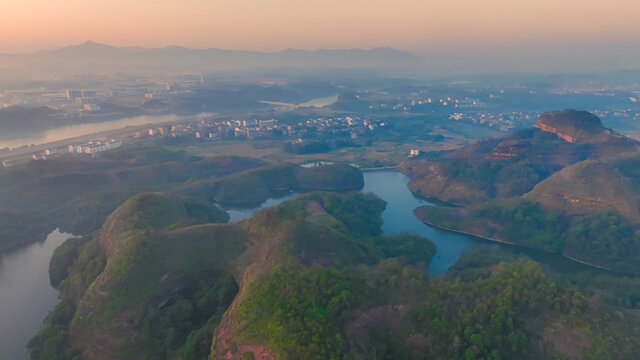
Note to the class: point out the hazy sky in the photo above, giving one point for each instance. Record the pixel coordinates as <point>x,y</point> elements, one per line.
<point>271,25</point>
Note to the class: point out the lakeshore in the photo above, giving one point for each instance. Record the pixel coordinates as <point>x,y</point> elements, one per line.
<point>519,246</point>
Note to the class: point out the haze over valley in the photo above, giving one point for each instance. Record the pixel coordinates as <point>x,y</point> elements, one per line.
<point>320,180</point>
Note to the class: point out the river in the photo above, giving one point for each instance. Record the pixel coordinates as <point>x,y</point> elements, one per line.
<point>73,131</point>
<point>24,275</point>
<point>26,296</point>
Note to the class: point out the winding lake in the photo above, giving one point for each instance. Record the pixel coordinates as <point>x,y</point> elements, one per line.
<point>391,186</point>
<point>26,296</point>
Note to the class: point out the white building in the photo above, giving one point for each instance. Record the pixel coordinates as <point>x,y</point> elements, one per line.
<point>415,152</point>
<point>92,107</point>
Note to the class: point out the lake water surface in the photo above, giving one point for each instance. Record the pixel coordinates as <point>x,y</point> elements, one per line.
<point>391,186</point>
<point>26,296</point>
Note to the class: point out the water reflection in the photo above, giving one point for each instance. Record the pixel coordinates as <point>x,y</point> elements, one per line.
<point>26,296</point>
<point>72,131</point>
<point>240,213</point>
<point>391,186</point>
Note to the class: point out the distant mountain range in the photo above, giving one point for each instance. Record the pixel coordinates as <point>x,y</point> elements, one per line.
<point>91,56</point>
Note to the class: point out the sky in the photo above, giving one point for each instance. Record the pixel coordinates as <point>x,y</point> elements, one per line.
<point>273,25</point>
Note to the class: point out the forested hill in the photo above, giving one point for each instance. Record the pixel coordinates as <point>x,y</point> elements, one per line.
<point>312,278</point>
<point>569,185</point>
<point>513,165</point>
<point>573,126</point>
<point>77,193</point>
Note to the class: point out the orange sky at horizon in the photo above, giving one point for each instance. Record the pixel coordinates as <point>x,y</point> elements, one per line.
<point>272,25</point>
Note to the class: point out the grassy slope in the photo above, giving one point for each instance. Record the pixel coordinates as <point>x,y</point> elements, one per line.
<point>593,186</point>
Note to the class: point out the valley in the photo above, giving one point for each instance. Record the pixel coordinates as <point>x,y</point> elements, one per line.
<point>319,180</point>
<point>186,263</point>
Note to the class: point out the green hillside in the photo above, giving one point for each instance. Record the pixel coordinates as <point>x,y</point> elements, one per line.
<point>312,278</point>
<point>77,193</point>
<point>569,186</point>
<point>257,185</point>
<point>515,164</point>
<point>594,186</point>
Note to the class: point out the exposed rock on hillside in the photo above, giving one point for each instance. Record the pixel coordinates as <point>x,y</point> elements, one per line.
<point>513,165</point>
<point>593,186</point>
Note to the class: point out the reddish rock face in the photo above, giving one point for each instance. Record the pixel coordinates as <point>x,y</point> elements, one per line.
<point>553,130</point>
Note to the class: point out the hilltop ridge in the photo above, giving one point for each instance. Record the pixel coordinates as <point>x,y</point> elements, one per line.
<point>514,164</point>
<point>569,185</point>
<point>572,125</point>
<point>88,56</point>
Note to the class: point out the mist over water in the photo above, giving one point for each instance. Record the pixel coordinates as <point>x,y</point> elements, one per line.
<point>320,102</point>
<point>72,131</point>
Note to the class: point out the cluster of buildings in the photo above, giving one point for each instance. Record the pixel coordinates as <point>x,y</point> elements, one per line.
<point>622,114</point>
<point>353,125</point>
<point>118,89</point>
<point>90,147</point>
<point>69,100</point>
<point>415,152</point>
<point>210,129</point>
<point>417,102</point>
<point>501,121</point>
<point>464,103</point>
<point>254,129</point>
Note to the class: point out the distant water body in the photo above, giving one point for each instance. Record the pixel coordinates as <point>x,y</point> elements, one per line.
<point>320,102</point>
<point>240,213</point>
<point>72,131</point>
